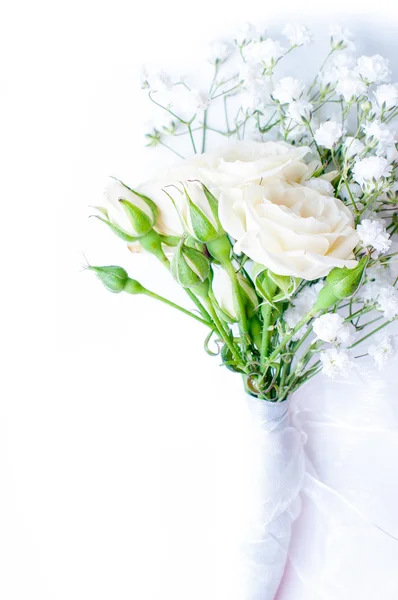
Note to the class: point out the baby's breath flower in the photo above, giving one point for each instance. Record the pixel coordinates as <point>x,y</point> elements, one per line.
<point>299,111</point>
<point>374,234</point>
<point>386,96</point>
<point>219,52</point>
<point>331,328</point>
<point>370,171</point>
<point>387,302</point>
<point>341,38</point>
<point>298,35</point>
<point>378,134</point>
<point>298,133</point>
<point>337,67</point>
<point>246,34</point>
<point>350,86</point>
<point>353,146</point>
<point>335,362</point>
<point>158,81</point>
<point>328,134</point>
<point>373,69</point>
<point>301,305</point>
<point>267,52</point>
<point>382,351</point>
<point>287,90</point>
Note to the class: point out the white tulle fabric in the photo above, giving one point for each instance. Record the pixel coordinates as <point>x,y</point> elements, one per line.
<point>322,493</point>
<point>345,541</point>
<point>275,471</point>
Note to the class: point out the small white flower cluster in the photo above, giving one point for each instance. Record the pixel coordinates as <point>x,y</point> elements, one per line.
<point>302,304</point>
<point>374,234</point>
<point>382,352</point>
<point>332,328</point>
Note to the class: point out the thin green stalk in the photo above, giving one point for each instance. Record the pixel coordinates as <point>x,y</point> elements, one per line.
<point>370,334</point>
<point>289,336</point>
<point>177,307</point>
<point>266,310</point>
<point>191,137</point>
<point>238,301</point>
<point>224,336</point>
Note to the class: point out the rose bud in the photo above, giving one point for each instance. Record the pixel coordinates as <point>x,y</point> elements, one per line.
<point>341,283</point>
<point>224,296</point>
<point>129,214</point>
<point>116,280</point>
<point>272,287</point>
<point>190,268</point>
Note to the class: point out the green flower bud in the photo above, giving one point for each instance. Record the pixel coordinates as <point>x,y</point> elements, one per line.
<point>203,220</point>
<point>116,280</point>
<point>341,283</point>
<point>189,266</point>
<point>272,287</point>
<point>129,214</point>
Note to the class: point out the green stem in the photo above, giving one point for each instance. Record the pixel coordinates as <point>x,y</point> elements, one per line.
<point>289,336</point>
<point>165,261</point>
<point>266,310</point>
<point>223,334</point>
<point>177,307</point>
<point>238,301</point>
<point>370,334</point>
<point>191,136</point>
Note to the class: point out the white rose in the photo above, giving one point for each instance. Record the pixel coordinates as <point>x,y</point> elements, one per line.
<point>233,165</point>
<point>243,162</point>
<point>289,228</point>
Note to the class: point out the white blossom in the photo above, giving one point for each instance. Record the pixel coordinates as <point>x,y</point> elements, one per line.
<point>386,96</point>
<point>298,133</point>
<point>350,86</point>
<point>371,170</point>
<point>341,38</point>
<point>335,362</point>
<point>287,90</point>
<point>320,185</point>
<point>299,111</point>
<point>267,51</point>
<point>353,146</point>
<point>337,67</point>
<point>302,304</point>
<point>331,328</point>
<point>245,34</point>
<point>373,69</point>
<point>379,134</point>
<point>158,81</point>
<point>298,35</point>
<point>328,134</point>
<point>382,351</point>
<point>387,302</point>
<point>219,51</point>
<point>378,277</point>
<point>374,234</point>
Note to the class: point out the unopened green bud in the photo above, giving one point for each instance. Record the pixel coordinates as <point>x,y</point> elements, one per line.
<point>116,279</point>
<point>203,213</point>
<point>128,213</point>
<point>249,296</point>
<point>189,266</point>
<point>220,249</point>
<point>140,222</point>
<point>272,287</point>
<point>341,283</point>
<point>366,106</point>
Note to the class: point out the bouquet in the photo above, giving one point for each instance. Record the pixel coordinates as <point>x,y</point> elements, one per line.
<point>283,236</point>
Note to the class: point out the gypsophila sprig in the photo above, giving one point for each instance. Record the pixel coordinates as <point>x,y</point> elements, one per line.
<point>280,223</point>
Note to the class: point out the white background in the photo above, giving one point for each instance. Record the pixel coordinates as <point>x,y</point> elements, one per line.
<point>114,424</point>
